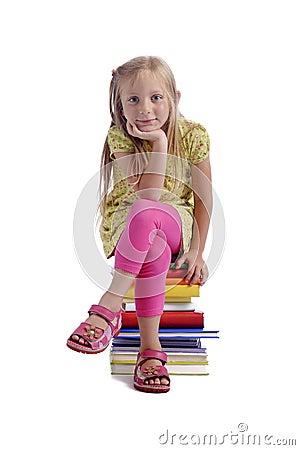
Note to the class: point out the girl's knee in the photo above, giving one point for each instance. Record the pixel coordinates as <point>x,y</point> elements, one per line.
<point>141,212</point>
<point>159,255</point>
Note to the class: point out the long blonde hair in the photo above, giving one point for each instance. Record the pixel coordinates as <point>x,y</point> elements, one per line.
<point>131,70</point>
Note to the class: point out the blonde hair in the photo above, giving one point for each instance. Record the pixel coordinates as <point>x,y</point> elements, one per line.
<point>130,71</point>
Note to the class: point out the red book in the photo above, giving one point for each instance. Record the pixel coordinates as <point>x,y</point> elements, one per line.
<point>169,319</point>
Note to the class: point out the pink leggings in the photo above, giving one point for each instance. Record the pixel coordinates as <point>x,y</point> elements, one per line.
<point>150,240</point>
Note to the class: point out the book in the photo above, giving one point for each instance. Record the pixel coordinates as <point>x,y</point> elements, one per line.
<point>178,300</point>
<point>200,368</point>
<point>181,331</point>
<point>183,290</point>
<point>172,332</point>
<point>191,359</point>
<point>168,350</point>
<point>127,357</point>
<point>167,300</point>
<point>184,266</point>
<point>175,291</point>
<point>176,281</point>
<point>168,306</point>
<point>169,319</point>
<point>176,273</point>
<point>169,344</point>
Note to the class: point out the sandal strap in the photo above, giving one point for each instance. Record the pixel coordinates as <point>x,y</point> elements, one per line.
<point>152,354</point>
<point>103,312</point>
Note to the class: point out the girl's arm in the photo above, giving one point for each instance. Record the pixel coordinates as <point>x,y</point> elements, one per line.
<point>149,183</point>
<point>202,188</point>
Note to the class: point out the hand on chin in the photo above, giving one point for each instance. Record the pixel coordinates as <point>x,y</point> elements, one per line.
<point>146,132</point>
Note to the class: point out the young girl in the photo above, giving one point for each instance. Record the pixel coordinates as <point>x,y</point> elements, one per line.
<point>157,212</point>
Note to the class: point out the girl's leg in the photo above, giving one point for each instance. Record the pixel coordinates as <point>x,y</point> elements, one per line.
<point>148,222</point>
<point>150,341</point>
<point>154,233</point>
<point>149,299</point>
<point>112,299</point>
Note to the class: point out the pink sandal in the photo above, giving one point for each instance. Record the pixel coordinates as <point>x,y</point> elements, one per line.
<point>97,339</point>
<point>148,373</point>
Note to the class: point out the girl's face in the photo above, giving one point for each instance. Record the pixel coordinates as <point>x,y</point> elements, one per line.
<point>145,103</point>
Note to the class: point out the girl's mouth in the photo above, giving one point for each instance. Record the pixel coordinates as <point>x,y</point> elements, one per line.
<point>145,121</point>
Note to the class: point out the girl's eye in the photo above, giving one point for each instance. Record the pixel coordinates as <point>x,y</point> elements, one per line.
<point>157,97</point>
<point>133,99</point>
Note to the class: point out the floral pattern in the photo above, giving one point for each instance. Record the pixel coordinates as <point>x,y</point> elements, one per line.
<point>92,332</point>
<point>150,371</point>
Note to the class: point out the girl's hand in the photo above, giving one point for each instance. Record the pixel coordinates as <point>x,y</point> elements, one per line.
<point>152,136</point>
<point>197,269</point>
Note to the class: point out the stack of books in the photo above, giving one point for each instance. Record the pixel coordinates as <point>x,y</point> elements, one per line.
<point>182,333</point>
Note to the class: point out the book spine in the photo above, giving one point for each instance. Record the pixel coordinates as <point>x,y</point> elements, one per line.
<point>173,291</point>
<point>169,319</point>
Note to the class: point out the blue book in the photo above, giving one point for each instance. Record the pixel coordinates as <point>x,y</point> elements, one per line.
<point>183,332</point>
<point>169,344</point>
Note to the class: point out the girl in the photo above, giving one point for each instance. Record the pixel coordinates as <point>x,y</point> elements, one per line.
<point>157,212</point>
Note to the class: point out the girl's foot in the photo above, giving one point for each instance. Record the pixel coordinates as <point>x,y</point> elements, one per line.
<point>98,321</point>
<point>95,321</point>
<point>151,374</point>
<point>151,365</point>
<point>150,344</point>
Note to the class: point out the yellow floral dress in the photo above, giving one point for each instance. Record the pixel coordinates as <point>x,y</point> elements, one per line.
<point>195,141</point>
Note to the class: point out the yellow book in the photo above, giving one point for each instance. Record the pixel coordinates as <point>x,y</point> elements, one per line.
<point>173,358</point>
<point>174,291</point>
<point>167,300</point>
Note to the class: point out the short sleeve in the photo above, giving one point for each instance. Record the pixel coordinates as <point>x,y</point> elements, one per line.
<point>198,144</point>
<point>118,142</point>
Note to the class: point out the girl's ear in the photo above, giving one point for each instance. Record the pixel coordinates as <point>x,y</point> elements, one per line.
<point>178,96</point>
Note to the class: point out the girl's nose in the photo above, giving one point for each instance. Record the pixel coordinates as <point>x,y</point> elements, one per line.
<point>145,107</point>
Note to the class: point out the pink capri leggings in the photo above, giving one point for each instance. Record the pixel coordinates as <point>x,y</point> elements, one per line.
<point>149,242</point>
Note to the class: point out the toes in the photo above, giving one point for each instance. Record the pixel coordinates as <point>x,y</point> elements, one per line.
<point>164,381</point>
<point>78,339</point>
<point>155,379</point>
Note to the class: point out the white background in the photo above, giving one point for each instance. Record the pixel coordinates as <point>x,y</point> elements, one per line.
<point>237,66</point>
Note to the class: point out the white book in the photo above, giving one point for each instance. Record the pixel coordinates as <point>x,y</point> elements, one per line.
<point>173,369</point>
<point>129,357</point>
<point>167,306</point>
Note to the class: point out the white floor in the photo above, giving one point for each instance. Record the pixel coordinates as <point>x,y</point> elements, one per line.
<point>56,398</point>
